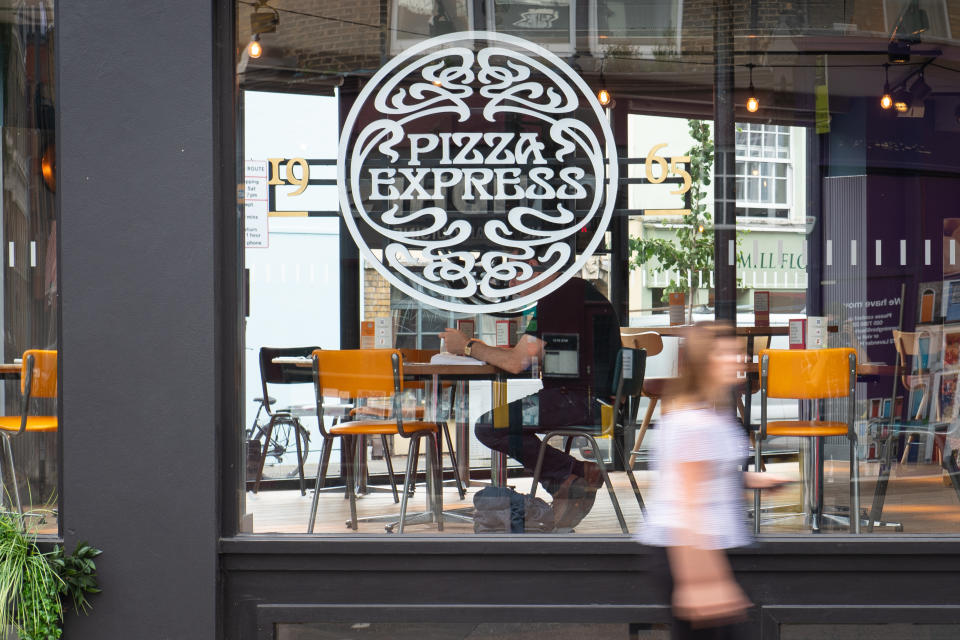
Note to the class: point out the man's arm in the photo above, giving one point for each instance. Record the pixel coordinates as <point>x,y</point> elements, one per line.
<point>514,360</point>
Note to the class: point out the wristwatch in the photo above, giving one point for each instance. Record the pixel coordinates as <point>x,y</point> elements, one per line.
<point>467,348</point>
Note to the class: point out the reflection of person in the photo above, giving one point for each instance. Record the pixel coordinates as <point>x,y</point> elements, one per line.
<point>697,510</point>
<point>568,398</point>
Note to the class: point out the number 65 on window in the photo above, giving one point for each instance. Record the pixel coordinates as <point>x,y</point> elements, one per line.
<point>666,169</point>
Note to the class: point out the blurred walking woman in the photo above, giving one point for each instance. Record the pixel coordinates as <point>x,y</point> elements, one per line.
<point>697,510</point>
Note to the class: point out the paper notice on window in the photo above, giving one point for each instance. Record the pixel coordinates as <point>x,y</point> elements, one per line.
<point>255,205</point>
<point>503,333</point>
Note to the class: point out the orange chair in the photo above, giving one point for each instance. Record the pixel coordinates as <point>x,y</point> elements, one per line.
<point>384,411</point>
<point>38,379</point>
<point>810,374</point>
<point>365,374</point>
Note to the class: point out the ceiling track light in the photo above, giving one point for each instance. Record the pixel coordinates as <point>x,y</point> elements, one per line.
<point>264,18</point>
<point>886,100</point>
<point>753,104</point>
<point>902,101</point>
<point>920,90</point>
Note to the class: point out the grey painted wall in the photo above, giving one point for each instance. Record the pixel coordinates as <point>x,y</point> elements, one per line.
<point>137,197</point>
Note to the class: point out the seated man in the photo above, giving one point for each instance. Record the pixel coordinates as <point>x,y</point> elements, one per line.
<point>574,317</point>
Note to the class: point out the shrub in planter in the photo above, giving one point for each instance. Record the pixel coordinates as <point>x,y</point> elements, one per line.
<point>33,583</point>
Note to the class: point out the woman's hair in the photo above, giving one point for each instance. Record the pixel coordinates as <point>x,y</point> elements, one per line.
<point>693,384</point>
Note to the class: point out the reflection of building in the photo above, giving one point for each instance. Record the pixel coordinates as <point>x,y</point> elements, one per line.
<point>771,178</point>
<point>29,302</point>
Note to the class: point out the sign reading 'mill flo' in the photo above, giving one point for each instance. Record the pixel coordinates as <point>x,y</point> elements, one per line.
<point>467,157</point>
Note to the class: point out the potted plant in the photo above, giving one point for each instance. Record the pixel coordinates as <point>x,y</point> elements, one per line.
<point>34,584</point>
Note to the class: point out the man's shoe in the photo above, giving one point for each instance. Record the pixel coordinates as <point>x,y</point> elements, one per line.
<point>593,476</point>
<point>572,502</point>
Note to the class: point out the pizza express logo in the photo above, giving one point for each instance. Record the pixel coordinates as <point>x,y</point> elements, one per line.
<point>469,156</point>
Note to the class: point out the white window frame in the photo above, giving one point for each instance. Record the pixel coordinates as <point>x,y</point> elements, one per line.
<point>788,162</point>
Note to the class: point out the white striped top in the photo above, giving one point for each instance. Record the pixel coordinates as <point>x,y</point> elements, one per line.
<point>698,435</point>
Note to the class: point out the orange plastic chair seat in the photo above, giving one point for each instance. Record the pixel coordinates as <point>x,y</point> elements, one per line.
<point>34,423</point>
<point>364,428</point>
<point>386,412</point>
<point>807,428</point>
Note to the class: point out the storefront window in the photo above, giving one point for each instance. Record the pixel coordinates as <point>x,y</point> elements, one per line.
<point>403,176</point>
<point>28,306</point>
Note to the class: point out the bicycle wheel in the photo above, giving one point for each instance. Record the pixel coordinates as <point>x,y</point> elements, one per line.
<point>283,448</point>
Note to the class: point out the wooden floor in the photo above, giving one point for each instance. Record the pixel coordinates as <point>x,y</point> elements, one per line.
<point>917,498</point>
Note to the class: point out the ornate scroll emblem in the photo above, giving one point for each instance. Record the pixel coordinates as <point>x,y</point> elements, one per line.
<point>469,158</point>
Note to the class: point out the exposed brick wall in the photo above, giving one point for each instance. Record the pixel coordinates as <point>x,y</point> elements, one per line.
<point>328,36</point>
<point>376,295</point>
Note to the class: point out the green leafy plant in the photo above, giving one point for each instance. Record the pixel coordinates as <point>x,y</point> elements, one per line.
<point>78,573</point>
<point>32,583</point>
<point>690,253</point>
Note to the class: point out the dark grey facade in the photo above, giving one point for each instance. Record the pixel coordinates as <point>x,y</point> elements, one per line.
<point>148,248</point>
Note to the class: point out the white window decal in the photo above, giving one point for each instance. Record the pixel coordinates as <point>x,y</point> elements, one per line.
<point>466,157</point>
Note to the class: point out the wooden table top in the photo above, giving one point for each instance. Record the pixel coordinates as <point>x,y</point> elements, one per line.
<point>413,368</point>
<point>452,370</point>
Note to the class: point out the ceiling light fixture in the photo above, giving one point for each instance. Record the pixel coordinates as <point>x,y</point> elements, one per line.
<point>902,101</point>
<point>255,49</point>
<point>603,94</point>
<point>886,100</point>
<point>753,105</point>
<point>264,21</point>
<point>48,166</point>
<point>920,90</point>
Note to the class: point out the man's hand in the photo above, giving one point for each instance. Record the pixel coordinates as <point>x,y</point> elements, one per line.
<point>454,341</point>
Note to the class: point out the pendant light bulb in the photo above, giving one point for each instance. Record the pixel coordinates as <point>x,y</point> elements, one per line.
<point>255,49</point>
<point>886,100</point>
<point>753,104</point>
<point>603,94</point>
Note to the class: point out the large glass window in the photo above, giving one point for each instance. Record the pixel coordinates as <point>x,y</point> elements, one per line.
<point>30,293</point>
<point>401,178</point>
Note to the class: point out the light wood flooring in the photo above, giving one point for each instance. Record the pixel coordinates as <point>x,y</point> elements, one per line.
<point>916,498</point>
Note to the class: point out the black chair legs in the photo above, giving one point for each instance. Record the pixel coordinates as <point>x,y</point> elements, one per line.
<point>320,481</point>
<point>603,471</point>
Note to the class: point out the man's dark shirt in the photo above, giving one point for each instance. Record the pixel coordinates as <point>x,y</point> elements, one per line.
<point>578,308</point>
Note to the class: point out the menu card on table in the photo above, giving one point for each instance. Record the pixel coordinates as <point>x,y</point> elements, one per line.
<point>367,334</point>
<point>677,304</point>
<point>468,327</point>
<point>808,333</point>
<point>761,308</point>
